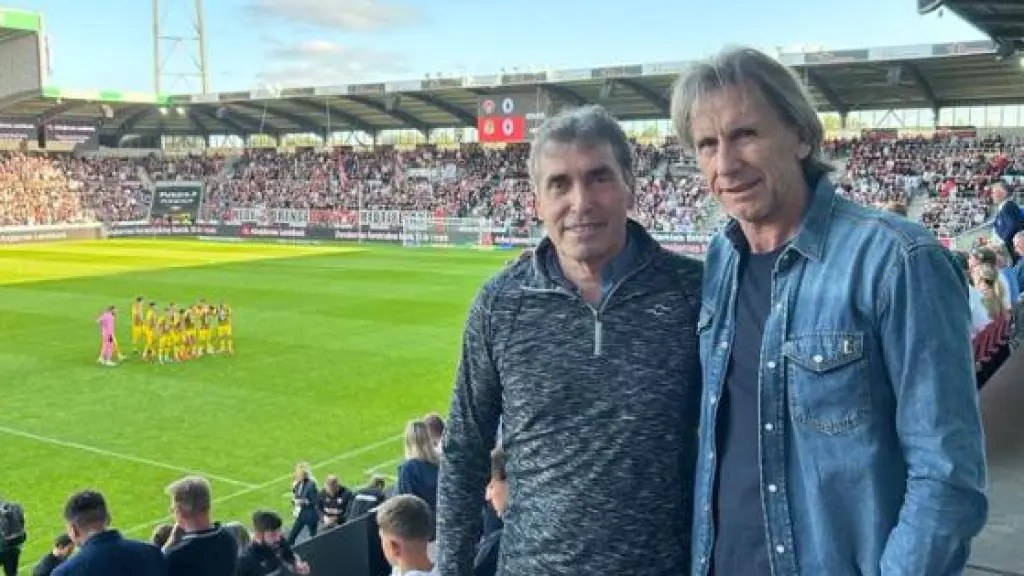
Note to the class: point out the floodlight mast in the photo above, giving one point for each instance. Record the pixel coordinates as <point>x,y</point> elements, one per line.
<point>179,47</point>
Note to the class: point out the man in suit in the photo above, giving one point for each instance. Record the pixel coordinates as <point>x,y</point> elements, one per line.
<point>102,550</point>
<point>1008,220</point>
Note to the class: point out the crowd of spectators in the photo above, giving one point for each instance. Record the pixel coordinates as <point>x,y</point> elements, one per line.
<point>948,178</point>
<point>193,543</point>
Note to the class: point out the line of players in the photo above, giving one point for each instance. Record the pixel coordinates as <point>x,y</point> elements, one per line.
<point>179,334</point>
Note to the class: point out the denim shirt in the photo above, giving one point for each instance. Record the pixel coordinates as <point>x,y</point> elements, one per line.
<point>871,449</point>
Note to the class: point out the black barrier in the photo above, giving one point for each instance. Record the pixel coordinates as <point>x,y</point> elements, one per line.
<point>689,244</point>
<point>349,550</point>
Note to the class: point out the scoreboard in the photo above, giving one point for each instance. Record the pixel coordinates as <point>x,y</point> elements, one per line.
<point>509,118</point>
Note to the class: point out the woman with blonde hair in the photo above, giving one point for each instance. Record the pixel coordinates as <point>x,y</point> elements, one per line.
<point>993,291</point>
<point>305,497</point>
<point>417,475</point>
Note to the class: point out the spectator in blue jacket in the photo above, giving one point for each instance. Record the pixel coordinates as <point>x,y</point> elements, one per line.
<point>417,475</point>
<point>102,550</point>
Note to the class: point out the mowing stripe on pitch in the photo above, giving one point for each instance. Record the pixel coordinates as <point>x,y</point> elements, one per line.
<point>119,456</point>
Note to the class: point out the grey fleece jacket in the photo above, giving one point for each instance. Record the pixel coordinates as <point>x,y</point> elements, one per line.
<point>599,409</point>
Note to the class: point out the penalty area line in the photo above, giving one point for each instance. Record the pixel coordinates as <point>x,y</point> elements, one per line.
<point>119,456</point>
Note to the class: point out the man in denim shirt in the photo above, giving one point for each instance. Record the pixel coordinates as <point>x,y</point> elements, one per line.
<point>840,431</point>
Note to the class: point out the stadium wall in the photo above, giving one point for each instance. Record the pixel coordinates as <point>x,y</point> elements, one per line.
<point>503,239</point>
<point>28,234</point>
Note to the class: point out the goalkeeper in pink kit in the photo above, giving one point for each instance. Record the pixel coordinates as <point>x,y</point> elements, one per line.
<point>106,322</point>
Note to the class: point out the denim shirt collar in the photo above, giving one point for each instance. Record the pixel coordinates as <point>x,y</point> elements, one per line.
<point>810,239</point>
<point>622,264</point>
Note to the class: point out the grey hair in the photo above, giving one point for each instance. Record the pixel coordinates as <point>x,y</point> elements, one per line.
<point>779,86</point>
<point>587,126</point>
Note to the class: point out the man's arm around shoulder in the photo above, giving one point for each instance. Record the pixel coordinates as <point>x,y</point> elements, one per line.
<point>469,437</point>
<point>924,325</point>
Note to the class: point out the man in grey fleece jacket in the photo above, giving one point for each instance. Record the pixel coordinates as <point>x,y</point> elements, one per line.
<point>587,355</point>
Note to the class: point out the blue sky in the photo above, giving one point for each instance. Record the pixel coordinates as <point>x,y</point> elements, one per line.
<point>107,44</point>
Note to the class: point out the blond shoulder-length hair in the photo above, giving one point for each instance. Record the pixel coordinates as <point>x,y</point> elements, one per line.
<point>418,445</point>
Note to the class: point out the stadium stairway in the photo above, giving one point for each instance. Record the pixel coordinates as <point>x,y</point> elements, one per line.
<point>144,177</point>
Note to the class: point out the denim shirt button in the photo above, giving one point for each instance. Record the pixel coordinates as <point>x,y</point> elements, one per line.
<point>818,358</point>
<point>723,345</point>
<point>773,488</point>
<point>780,549</point>
<point>771,365</point>
<point>769,427</point>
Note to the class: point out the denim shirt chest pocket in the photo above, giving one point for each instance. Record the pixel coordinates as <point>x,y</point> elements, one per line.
<point>828,381</point>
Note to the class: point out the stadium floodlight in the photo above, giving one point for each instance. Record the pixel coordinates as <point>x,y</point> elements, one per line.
<point>162,110</point>
<point>180,110</point>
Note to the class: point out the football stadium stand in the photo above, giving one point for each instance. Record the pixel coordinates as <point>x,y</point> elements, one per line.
<point>930,127</point>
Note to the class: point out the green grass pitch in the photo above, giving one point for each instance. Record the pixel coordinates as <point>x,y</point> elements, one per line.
<point>338,346</point>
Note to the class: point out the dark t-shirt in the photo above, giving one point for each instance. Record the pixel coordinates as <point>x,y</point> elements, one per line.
<point>212,552</point>
<point>741,547</point>
<point>47,565</point>
<point>262,560</point>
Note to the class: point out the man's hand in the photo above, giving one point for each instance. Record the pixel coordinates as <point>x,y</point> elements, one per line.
<point>301,567</point>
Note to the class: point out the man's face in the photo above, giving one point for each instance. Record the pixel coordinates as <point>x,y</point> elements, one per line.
<point>497,495</point>
<point>66,551</point>
<point>751,160</point>
<point>1018,245</point>
<point>272,537</point>
<point>583,199</point>
<point>998,194</point>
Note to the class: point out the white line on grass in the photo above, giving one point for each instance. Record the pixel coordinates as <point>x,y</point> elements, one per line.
<point>119,456</point>
<point>390,463</point>
<point>257,487</point>
<point>283,478</point>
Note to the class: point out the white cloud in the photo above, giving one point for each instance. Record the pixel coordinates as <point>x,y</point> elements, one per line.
<point>344,15</point>
<point>324,63</point>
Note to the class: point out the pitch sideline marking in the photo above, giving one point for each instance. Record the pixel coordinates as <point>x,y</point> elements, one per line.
<point>373,469</point>
<point>120,456</point>
<point>257,487</point>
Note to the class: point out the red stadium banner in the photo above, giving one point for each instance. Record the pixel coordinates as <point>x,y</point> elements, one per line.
<point>958,131</point>
<point>495,129</point>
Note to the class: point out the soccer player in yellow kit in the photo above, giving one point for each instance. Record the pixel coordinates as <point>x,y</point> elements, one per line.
<point>138,328</point>
<point>206,317</point>
<point>164,337</point>
<point>149,332</point>
<point>225,337</point>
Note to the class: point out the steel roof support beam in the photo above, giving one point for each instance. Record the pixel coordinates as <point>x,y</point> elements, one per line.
<point>322,107</point>
<point>234,127</point>
<point>658,100</point>
<point>405,117</point>
<point>922,83</point>
<point>128,122</point>
<point>565,93</point>
<point>444,106</point>
<point>66,106</point>
<point>193,115</point>
<point>304,123</point>
<point>831,96</point>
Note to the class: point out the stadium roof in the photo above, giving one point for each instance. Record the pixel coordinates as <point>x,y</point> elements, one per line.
<point>1000,20</point>
<point>916,76</point>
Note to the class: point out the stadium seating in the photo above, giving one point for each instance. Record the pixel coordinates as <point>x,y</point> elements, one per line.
<point>950,177</point>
